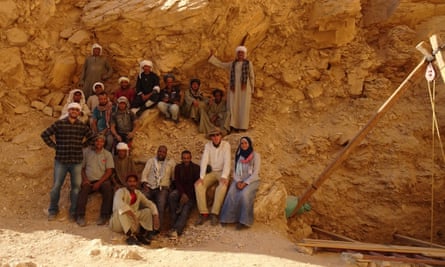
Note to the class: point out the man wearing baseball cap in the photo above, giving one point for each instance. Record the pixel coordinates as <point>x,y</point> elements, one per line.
<point>66,137</point>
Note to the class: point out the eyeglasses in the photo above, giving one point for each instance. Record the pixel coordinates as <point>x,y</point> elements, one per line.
<point>212,135</point>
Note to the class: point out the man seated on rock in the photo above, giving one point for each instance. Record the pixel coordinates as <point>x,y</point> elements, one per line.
<point>194,101</point>
<point>133,213</point>
<point>182,199</point>
<point>147,89</point>
<point>123,122</point>
<point>97,167</point>
<point>156,180</point>
<point>101,119</point>
<point>125,89</point>
<point>77,96</point>
<point>215,114</point>
<point>170,99</point>
<point>123,165</point>
<point>217,156</point>
<point>93,100</point>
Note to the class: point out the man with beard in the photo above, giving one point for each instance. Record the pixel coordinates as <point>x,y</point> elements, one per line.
<point>156,179</point>
<point>69,134</point>
<point>97,167</point>
<point>77,96</point>
<point>101,119</point>
<point>125,89</point>
<point>133,213</point>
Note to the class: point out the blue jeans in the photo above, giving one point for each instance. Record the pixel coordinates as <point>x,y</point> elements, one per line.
<point>178,218</point>
<point>60,171</point>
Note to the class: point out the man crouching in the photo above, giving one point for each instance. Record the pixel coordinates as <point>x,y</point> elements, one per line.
<point>133,213</point>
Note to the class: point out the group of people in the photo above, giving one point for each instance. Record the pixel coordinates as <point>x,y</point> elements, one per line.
<point>92,124</point>
<point>229,113</point>
<point>136,206</point>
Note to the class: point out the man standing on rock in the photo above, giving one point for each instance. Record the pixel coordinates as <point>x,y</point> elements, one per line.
<point>241,87</point>
<point>215,168</point>
<point>95,69</point>
<point>69,134</point>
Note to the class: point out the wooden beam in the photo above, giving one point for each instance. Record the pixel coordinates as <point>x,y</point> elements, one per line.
<point>415,241</point>
<point>397,259</point>
<point>429,252</point>
<point>436,44</point>
<point>415,74</point>
<point>331,234</point>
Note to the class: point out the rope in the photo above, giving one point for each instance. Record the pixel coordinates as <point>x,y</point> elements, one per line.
<point>432,100</point>
<point>430,75</point>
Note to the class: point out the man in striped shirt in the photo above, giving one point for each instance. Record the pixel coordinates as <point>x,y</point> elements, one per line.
<point>66,136</point>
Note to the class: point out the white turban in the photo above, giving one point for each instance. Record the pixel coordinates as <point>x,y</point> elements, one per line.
<point>123,99</point>
<point>144,63</point>
<point>96,45</point>
<point>74,105</point>
<point>241,48</point>
<point>122,146</point>
<point>96,84</point>
<point>123,78</point>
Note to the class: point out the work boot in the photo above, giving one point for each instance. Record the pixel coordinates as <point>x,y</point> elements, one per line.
<point>173,234</point>
<point>132,240</point>
<point>201,219</point>
<point>52,217</point>
<point>72,217</point>
<point>213,219</point>
<point>81,221</point>
<point>101,221</point>
<point>240,226</point>
<point>142,239</point>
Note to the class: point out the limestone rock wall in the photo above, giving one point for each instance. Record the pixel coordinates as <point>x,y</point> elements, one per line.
<point>322,67</point>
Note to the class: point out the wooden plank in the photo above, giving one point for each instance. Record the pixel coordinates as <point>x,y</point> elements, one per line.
<point>331,234</point>
<point>400,259</point>
<point>436,45</point>
<point>415,74</point>
<point>430,252</point>
<point>415,241</point>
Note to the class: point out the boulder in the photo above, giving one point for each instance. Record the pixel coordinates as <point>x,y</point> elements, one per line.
<point>17,37</point>
<point>12,70</point>
<point>62,71</point>
<point>8,13</point>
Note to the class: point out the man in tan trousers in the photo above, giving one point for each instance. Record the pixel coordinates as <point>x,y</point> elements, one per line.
<point>215,168</point>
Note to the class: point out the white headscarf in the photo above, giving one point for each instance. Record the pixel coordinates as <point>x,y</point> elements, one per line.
<point>123,78</point>
<point>96,45</point>
<point>144,63</point>
<point>98,83</point>
<point>71,96</point>
<point>75,105</point>
<point>241,48</point>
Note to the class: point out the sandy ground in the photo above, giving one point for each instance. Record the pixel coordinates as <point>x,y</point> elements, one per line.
<point>62,243</point>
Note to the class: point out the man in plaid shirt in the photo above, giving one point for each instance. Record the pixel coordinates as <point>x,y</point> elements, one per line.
<point>68,140</point>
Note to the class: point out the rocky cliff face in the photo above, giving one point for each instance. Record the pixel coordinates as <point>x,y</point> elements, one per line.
<point>323,68</point>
